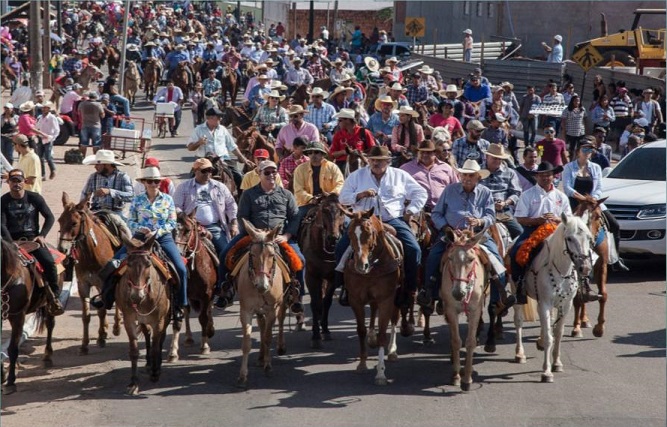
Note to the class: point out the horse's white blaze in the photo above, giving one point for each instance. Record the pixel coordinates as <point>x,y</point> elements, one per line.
<point>357,232</point>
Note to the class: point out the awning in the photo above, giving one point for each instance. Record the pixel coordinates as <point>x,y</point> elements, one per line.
<point>22,11</point>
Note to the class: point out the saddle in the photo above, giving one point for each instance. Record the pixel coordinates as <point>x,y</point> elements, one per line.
<point>288,261</point>
<point>112,227</point>
<point>25,249</point>
<point>532,245</point>
<point>161,263</point>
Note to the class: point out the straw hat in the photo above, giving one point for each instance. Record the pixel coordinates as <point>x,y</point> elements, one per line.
<point>150,172</point>
<point>392,60</point>
<point>425,69</point>
<point>426,145</point>
<point>407,110</point>
<point>202,163</point>
<point>471,166</point>
<point>385,100</point>
<point>379,152</point>
<point>318,91</point>
<point>340,89</point>
<point>102,157</point>
<point>27,106</point>
<point>507,84</point>
<point>297,109</point>
<point>397,86</point>
<point>497,151</point>
<point>273,94</point>
<point>50,105</point>
<point>371,63</point>
<point>345,113</point>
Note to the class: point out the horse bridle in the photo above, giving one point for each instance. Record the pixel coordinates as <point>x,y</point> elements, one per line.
<point>140,287</point>
<point>251,270</point>
<point>79,237</point>
<point>469,280</point>
<point>194,235</point>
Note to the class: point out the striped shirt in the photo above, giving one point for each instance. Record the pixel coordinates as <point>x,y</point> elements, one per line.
<point>463,151</point>
<point>271,116</point>
<point>322,115</point>
<point>504,185</point>
<point>120,191</point>
<point>622,106</point>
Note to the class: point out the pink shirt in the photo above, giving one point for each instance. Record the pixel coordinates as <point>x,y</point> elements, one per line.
<point>433,180</point>
<point>396,135</point>
<point>26,123</point>
<point>288,133</point>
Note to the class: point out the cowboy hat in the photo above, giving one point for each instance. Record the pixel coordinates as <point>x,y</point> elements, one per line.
<point>27,106</point>
<point>467,31</point>
<point>385,70</point>
<point>180,47</point>
<point>407,110</point>
<point>497,151</point>
<point>425,69</point>
<point>345,77</point>
<point>397,86</point>
<point>475,125</point>
<point>150,172</point>
<point>276,84</point>
<point>385,100</point>
<point>296,109</point>
<point>426,145</point>
<point>269,62</point>
<point>547,167</point>
<point>9,105</point>
<point>340,89</point>
<point>262,77</point>
<point>149,43</point>
<point>316,146</point>
<point>379,152</point>
<point>558,38</point>
<point>273,94</point>
<point>102,157</point>
<point>133,47</point>
<point>318,91</point>
<point>50,105</point>
<point>507,84</point>
<point>450,89</point>
<point>297,59</point>
<point>392,59</point>
<point>372,64</point>
<point>345,113</point>
<point>202,163</point>
<point>471,166</point>
<point>338,61</point>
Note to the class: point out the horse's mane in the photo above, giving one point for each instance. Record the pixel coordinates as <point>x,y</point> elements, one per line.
<point>10,258</point>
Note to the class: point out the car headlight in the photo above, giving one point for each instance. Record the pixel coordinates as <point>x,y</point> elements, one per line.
<point>652,212</point>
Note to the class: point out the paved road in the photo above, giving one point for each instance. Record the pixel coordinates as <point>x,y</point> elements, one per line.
<point>616,380</point>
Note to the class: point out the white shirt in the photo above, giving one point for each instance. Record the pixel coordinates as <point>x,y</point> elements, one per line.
<point>395,187</point>
<point>218,141</point>
<point>206,213</point>
<point>49,125</point>
<point>535,202</point>
<point>67,104</point>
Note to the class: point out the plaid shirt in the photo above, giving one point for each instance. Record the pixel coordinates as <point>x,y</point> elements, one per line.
<point>72,65</point>
<point>120,191</point>
<point>504,185</point>
<point>316,70</point>
<point>463,151</point>
<point>574,122</point>
<point>287,166</point>
<point>211,86</point>
<point>267,116</point>
<point>416,94</point>
<point>322,115</point>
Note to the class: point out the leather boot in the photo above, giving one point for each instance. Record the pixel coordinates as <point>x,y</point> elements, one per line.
<point>506,302</point>
<point>52,293</point>
<point>108,294</point>
<point>424,298</point>
<point>587,293</point>
<point>339,280</point>
<point>227,293</point>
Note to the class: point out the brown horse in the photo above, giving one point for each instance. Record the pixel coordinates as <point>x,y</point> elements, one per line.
<point>251,139</point>
<point>222,172</point>
<point>238,119</point>
<point>421,227</point>
<point>319,233</point>
<point>21,295</point>
<point>301,96</point>
<point>144,297</point>
<point>87,242</point>
<point>132,80</point>
<point>355,160</point>
<point>372,277</point>
<point>261,289</point>
<point>202,275</point>
<point>230,85</point>
<point>151,78</point>
<point>596,225</point>
<point>182,79</point>
<point>113,58</point>
<point>89,74</point>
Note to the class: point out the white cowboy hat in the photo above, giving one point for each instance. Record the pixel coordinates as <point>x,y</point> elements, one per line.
<point>345,113</point>
<point>339,61</point>
<point>392,59</point>
<point>50,105</point>
<point>371,63</point>
<point>273,94</point>
<point>276,84</point>
<point>27,106</point>
<point>297,109</point>
<point>319,91</point>
<point>471,166</point>
<point>340,89</point>
<point>450,89</point>
<point>150,172</point>
<point>397,86</point>
<point>407,110</point>
<point>425,69</point>
<point>102,157</point>
<point>467,31</point>
<point>385,100</point>
<point>133,47</point>
<point>346,77</point>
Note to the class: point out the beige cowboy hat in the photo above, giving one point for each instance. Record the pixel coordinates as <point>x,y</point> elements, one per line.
<point>296,109</point>
<point>346,77</point>
<point>297,59</point>
<point>338,61</point>
<point>393,60</point>
<point>397,86</point>
<point>385,100</point>
<point>467,31</point>
<point>372,64</point>
<point>471,166</point>
<point>450,89</point>
<point>150,172</point>
<point>180,47</point>
<point>385,70</point>
<point>276,84</point>
<point>379,152</point>
<point>345,113</point>
<point>273,94</point>
<point>340,89</point>
<point>318,91</point>
<point>497,151</point>
<point>149,44</point>
<point>27,106</point>
<point>425,69</point>
<point>262,77</point>
<point>50,105</point>
<point>269,62</point>
<point>407,110</point>
<point>102,157</point>
<point>507,84</point>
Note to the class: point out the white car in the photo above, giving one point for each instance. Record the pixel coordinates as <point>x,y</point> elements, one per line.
<point>636,196</point>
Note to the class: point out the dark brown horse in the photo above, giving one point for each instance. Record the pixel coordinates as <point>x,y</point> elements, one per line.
<point>151,78</point>
<point>182,79</point>
<point>230,84</point>
<point>421,227</point>
<point>355,160</point>
<point>223,173</point>
<point>21,295</point>
<point>238,119</point>
<point>372,277</point>
<point>251,140</point>
<point>319,233</point>
<point>301,96</point>
<point>90,245</point>
<point>596,225</point>
<point>195,246</point>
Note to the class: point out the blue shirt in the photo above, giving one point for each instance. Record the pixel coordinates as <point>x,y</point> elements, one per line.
<point>474,94</point>
<point>320,116</point>
<point>556,54</point>
<point>570,174</point>
<point>376,124</point>
<point>255,96</point>
<point>455,204</point>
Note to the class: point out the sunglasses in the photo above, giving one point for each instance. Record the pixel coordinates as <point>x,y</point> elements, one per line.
<point>16,179</point>
<point>151,181</point>
<point>587,150</point>
<point>208,170</point>
<point>269,173</point>
<point>447,150</point>
<point>549,132</point>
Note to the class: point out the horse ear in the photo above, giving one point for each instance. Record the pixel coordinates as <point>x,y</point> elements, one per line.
<point>601,201</point>
<point>65,199</point>
<point>249,228</point>
<point>83,204</point>
<point>450,236</point>
<point>149,241</point>
<point>477,238</point>
<point>563,217</point>
<point>368,213</point>
<point>273,234</point>
<point>347,212</point>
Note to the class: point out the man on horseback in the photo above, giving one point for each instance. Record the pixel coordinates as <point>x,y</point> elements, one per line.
<point>151,52</point>
<point>387,190</point>
<point>109,189</point>
<point>297,76</point>
<point>20,221</point>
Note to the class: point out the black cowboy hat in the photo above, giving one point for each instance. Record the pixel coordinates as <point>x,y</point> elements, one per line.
<point>547,167</point>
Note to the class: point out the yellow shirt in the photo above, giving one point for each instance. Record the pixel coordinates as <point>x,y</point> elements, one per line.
<point>331,180</point>
<point>250,179</point>
<point>31,166</point>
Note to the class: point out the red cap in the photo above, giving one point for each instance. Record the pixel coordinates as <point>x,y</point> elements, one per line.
<point>152,162</point>
<point>261,153</point>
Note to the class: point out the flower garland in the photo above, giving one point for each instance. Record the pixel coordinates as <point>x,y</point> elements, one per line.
<point>290,255</point>
<point>536,237</point>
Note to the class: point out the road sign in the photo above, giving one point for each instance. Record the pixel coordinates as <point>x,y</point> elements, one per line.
<point>587,57</point>
<point>415,27</point>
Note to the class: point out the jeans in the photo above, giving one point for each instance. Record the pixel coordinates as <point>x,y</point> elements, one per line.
<point>90,136</point>
<point>45,153</point>
<point>178,113</point>
<point>236,174</point>
<point>467,55</point>
<point>118,99</point>
<point>513,226</point>
<point>517,270</point>
<point>7,149</point>
<point>219,240</point>
<point>529,131</point>
<point>411,250</point>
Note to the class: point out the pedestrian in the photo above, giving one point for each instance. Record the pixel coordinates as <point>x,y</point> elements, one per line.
<point>91,113</point>
<point>29,163</point>
<point>555,52</point>
<point>8,129</point>
<point>467,45</point>
<point>47,129</point>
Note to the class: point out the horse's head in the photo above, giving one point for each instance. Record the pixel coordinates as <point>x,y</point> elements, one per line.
<point>461,262</point>
<point>262,258</point>
<point>331,220</point>
<point>591,205</point>
<point>139,266</point>
<point>11,263</point>
<point>578,242</point>
<point>186,231</point>
<point>71,223</point>
<point>364,231</point>
<point>355,159</point>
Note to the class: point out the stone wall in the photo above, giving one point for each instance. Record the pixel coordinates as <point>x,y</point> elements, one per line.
<point>347,19</point>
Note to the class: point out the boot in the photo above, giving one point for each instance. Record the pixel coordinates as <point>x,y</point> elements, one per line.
<point>587,294</point>
<point>294,297</point>
<point>107,296</point>
<point>339,280</point>
<point>52,293</point>
<point>520,292</point>
<point>226,297</point>
<point>506,302</point>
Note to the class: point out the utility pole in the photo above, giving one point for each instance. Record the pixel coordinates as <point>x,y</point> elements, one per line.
<point>36,60</point>
<point>123,46</point>
<point>59,18</point>
<point>335,21</point>
<point>311,22</point>
<point>46,19</point>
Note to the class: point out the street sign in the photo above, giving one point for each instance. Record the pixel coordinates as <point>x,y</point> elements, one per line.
<point>587,57</point>
<point>415,27</point>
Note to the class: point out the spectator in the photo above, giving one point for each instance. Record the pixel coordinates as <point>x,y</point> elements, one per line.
<point>92,113</point>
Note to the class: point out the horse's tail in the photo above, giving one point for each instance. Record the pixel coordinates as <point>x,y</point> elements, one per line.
<point>40,319</point>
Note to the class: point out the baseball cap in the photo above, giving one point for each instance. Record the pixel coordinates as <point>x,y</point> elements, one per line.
<point>261,153</point>
<point>152,162</point>
<point>202,164</point>
<point>267,164</point>
<point>20,139</point>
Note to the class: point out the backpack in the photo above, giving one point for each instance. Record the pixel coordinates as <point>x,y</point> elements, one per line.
<point>73,157</point>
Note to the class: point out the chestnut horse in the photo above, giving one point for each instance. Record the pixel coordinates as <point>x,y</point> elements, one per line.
<point>22,295</point>
<point>261,289</point>
<point>372,277</point>
<point>355,160</point>
<point>319,233</point>
<point>132,80</point>
<point>202,275</point>
<point>601,248</point>
<point>230,84</point>
<point>151,78</point>
<point>182,79</point>
<point>251,139</point>
<point>85,240</point>
<point>222,172</point>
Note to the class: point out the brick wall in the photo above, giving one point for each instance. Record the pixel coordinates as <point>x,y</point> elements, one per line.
<point>366,19</point>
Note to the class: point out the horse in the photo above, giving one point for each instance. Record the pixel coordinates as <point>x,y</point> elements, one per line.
<point>151,77</point>
<point>89,74</point>
<point>372,277</point>
<point>261,288</point>
<point>301,95</point>
<point>113,58</point>
<point>8,77</point>
<point>90,245</point>
<point>421,227</point>
<point>181,78</point>
<point>462,290</point>
<point>132,80</point>
<point>230,85</point>
<point>251,140</point>
<point>551,279</point>
<point>202,275</point>
<point>318,235</point>
<point>355,160</point>
<point>223,173</point>
<point>144,297</point>
<point>601,248</point>
<point>98,56</point>
<point>238,119</point>
<point>21,295</point>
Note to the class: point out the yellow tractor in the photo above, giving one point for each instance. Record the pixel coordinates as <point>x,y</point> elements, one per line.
<point>638,47</point>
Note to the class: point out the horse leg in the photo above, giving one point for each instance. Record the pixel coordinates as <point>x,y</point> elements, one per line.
<point>393,348</point>
<point>176,334</point>
<point>547,342</point>
<point>188,331</point>
<point>102,330</point>
<point>407,324</point>
<point>519,354</point>
<point>455,342</point>
<point>133,387</point>
<point>282,311</point>
<point>326,306</point>
<point>261,324</point>
<point>315,290</point>
<point>84,292</point>
<point>578,316</point>
<point>428,340</point>
<point>471,343</point>
<point>601,274</point>
<point>159,335</point>
<point>16,322</point>
<point>205,321</point>
<point>372,332</point>
<point>146,332</point>
<point>116,322</point>
<point>48,350</point>
<point>246,327</point>
<point>383,321</point>
<point>358,309</point>
<point>557,365</point>
<point>490,346</point>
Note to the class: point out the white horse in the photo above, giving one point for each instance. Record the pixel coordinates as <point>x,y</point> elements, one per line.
<point>551,279</point>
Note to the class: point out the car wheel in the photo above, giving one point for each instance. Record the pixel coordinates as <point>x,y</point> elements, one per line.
<point>66,130</point>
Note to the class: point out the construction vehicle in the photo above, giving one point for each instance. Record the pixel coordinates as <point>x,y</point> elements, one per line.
<point>638,47</point>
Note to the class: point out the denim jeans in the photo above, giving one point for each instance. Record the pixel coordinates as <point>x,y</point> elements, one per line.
<point>220,241</point>
<point>7,149</point>
<point>513,226</point>
<point>118,99</point>
<point>90,136</point>
<point>517,271</point>
<point>45,152</point>
<point>178,113</point>
<point>529,131</point>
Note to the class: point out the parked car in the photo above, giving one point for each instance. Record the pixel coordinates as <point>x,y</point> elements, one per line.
<point>636,196</point>
<point>401,50</point>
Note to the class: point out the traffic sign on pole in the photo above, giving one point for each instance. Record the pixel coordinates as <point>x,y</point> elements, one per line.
<point>415,27</point>
<point>587,57</point>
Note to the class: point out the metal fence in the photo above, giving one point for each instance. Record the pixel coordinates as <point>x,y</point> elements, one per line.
<point>454,51</point>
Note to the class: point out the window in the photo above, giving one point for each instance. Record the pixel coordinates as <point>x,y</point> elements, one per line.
<point>480,8</point>
<point>490,10</point>
<point>466,8</point>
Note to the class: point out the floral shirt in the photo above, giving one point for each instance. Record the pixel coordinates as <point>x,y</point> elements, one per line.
<point>158,216</point>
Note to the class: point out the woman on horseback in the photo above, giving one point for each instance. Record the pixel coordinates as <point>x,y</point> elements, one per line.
<point>271,117</point>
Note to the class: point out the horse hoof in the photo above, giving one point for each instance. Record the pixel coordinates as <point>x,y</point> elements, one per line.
<point>242,383</point>
<point>598,331</point>
<point>206,350</point>
<point>456,381</point>
<point>9,389</point>
<point>155,377</point>
<point>490,348</point>
<point>520,359</point>
<point>172,358</point>
<point>83,351</point>
<point>361,368</point>
<point>326,336</point>
<point>189,342</point>
<point>539,344</point>
<point>132,390</point>
<point>282,351</point>
<point>547,378</point>
<point>116,331</point>
<point>407,330</point>
<point>428,341</point>
<point>380,381</point>
<point>557,368</point>
<point>576,333</point>
<point>393,357</point>
<point>586,324</point>
<point>316,344</point>
<point>101,343</point>
<point>48,363</point>
<point>299,327</point>
<point>465,387</point>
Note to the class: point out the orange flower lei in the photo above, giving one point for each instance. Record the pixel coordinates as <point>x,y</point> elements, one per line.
<point>536,237</point>
<point>291,257</point>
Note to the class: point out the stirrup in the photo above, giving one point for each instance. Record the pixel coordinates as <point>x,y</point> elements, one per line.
<point>343,298</point>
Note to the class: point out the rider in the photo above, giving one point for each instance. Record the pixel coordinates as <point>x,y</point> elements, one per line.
<point>384,119</point>
<point>110,188</point>
<point>349,134</point>
<point>252,177</point>
<point>174,94</point>
<point>212,86</point>
<point>20,221</point>
<point>151,52</point>
<point>297,127</point>
<point>297,76</point>
<point>396,197</point>
<point>321,113</point>
<point>271,117</point>
<point>175,57</point>
<point>256,95</point>
<point>471,146</point>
